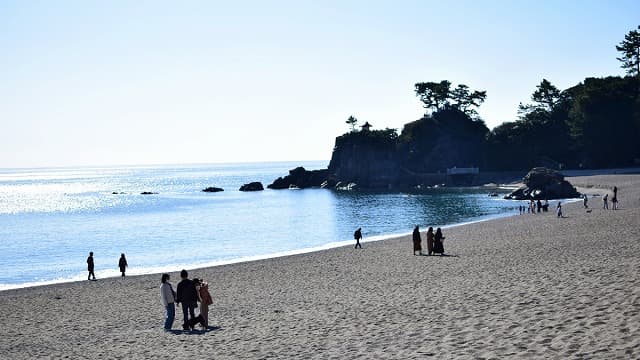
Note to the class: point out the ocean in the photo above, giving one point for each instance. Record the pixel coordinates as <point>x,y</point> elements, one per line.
<point>50,219</point>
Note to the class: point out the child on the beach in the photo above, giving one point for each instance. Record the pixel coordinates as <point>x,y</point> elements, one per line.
<point>205,300</point>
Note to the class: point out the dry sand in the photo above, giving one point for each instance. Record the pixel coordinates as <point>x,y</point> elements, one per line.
<point>526,286</point>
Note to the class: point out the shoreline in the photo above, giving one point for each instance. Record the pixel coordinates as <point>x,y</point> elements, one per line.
<point>114,273</point>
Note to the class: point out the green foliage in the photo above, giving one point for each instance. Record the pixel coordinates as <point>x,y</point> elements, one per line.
<point>439,96</point>
<point>545,99</point>
<point>630,49</point>
<point>378,138</point>
<point>352,122</point>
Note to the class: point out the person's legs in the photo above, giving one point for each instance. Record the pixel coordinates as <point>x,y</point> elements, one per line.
<point>204,311</point>
<point>185,315</point>
<point>171,314</point>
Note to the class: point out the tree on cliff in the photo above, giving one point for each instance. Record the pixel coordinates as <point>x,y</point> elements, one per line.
<point>439,96</point>
<point>352,121</point>
<point>544,98</point>
<point>630,49</point>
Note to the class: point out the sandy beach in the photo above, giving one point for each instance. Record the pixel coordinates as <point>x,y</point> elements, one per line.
<point>530,286</point>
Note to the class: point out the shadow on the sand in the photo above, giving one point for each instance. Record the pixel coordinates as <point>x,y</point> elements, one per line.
<point>438,255</point>
<point>195,331</point>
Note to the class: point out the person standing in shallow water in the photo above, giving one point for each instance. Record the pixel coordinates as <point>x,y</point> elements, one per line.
<point>417,241</point>
<point>168,298</point>
<point>122,264</point>
<point>90,266</point>
<point>358,236</point>
<point>430,240</point>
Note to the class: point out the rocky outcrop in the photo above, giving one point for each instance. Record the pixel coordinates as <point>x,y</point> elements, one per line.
<point>253,186</point>
<point>148,193</point>
<point>300,178</point>
<point>543,183</point>
<point>212,189</point>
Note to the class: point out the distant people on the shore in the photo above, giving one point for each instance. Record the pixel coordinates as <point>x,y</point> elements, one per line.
<point>585,201</point>
<point>430,240</point>
<point>438,246</point>
<point>539,205</point>
<point>122,264</point>
<point>605,201</point>
<point>545,206</point>
<point>614,199</point>
<point>90,266</point>
<point>417,241</point>
<point>358,235</point>
<point>188,297</point>
<point>205,299</point>
<point>559,209</point>
<point>168,298</point>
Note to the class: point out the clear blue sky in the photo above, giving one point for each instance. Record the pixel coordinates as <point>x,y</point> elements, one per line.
<point>153,82</point>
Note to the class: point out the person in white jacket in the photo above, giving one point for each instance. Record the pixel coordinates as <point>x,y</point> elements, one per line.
<point>167,296</point>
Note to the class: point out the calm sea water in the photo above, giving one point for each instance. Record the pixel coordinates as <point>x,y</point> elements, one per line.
<point>51,218</point>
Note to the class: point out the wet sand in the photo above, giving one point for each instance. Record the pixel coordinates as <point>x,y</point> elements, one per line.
<point>525,286</point>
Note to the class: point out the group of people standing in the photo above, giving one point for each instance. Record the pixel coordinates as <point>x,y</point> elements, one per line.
<point>614,200</point>
<point>189,294</point>
<point>122,265</point>
<point>434,241</point>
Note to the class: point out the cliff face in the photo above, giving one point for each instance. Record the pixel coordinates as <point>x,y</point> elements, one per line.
<point>368,158</point>
<point>382,159</point>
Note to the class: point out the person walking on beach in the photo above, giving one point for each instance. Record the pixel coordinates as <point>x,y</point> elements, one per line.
<point>358,235</point>
<point>188,297</point>
<point>430,239</point>
<point>539,205</point>
<point>559,209</point>
<point>417,241</point>
<point>122,264</point>
<point>605,201</point>
<point>614,199</point>
<point>90,266</point>
<point>585,201</point>
<point>438,246</point>
<point>168,298</point>
<point>205,300</point>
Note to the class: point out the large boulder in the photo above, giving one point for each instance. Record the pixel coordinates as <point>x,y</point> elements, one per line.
<point>253,186</point>
<point>300,178</point>
<point>543,183</point>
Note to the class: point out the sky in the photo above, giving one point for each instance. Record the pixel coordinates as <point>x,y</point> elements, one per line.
<point>96,83</point>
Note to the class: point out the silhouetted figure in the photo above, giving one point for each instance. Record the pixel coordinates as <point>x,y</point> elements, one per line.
<point>417,241</point>
<point>122,264</point>
<point>585,201</point>
<point>614,199</point>
<point>559,209</point>
<point>438,246</point>
<point>188,296</point>
<point>90,266</point>
<point>358,235</point>
<point>605,201</point>
<point>168,298</point>
<point>545,206</point>
<point>539,205</point>
<point>430,240</point>
<point>205,300</point>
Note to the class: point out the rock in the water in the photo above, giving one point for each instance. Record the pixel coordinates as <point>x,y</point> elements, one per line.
<point>148,193</point>
<point>300,178</point>
<point>543,183</point>
<point>212,189</point>
<point>253,186</point>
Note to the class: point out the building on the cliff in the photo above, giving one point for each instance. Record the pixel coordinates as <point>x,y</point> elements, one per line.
<point>366,126</point>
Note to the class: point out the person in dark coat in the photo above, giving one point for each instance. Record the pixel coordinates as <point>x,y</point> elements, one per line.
<point>438,247</point>
<point>122,264</point>
<point>90,266</point>
<point>358,235</point>
<point>417,241</point>
<point>188,296</point>
<point>430,240</point>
